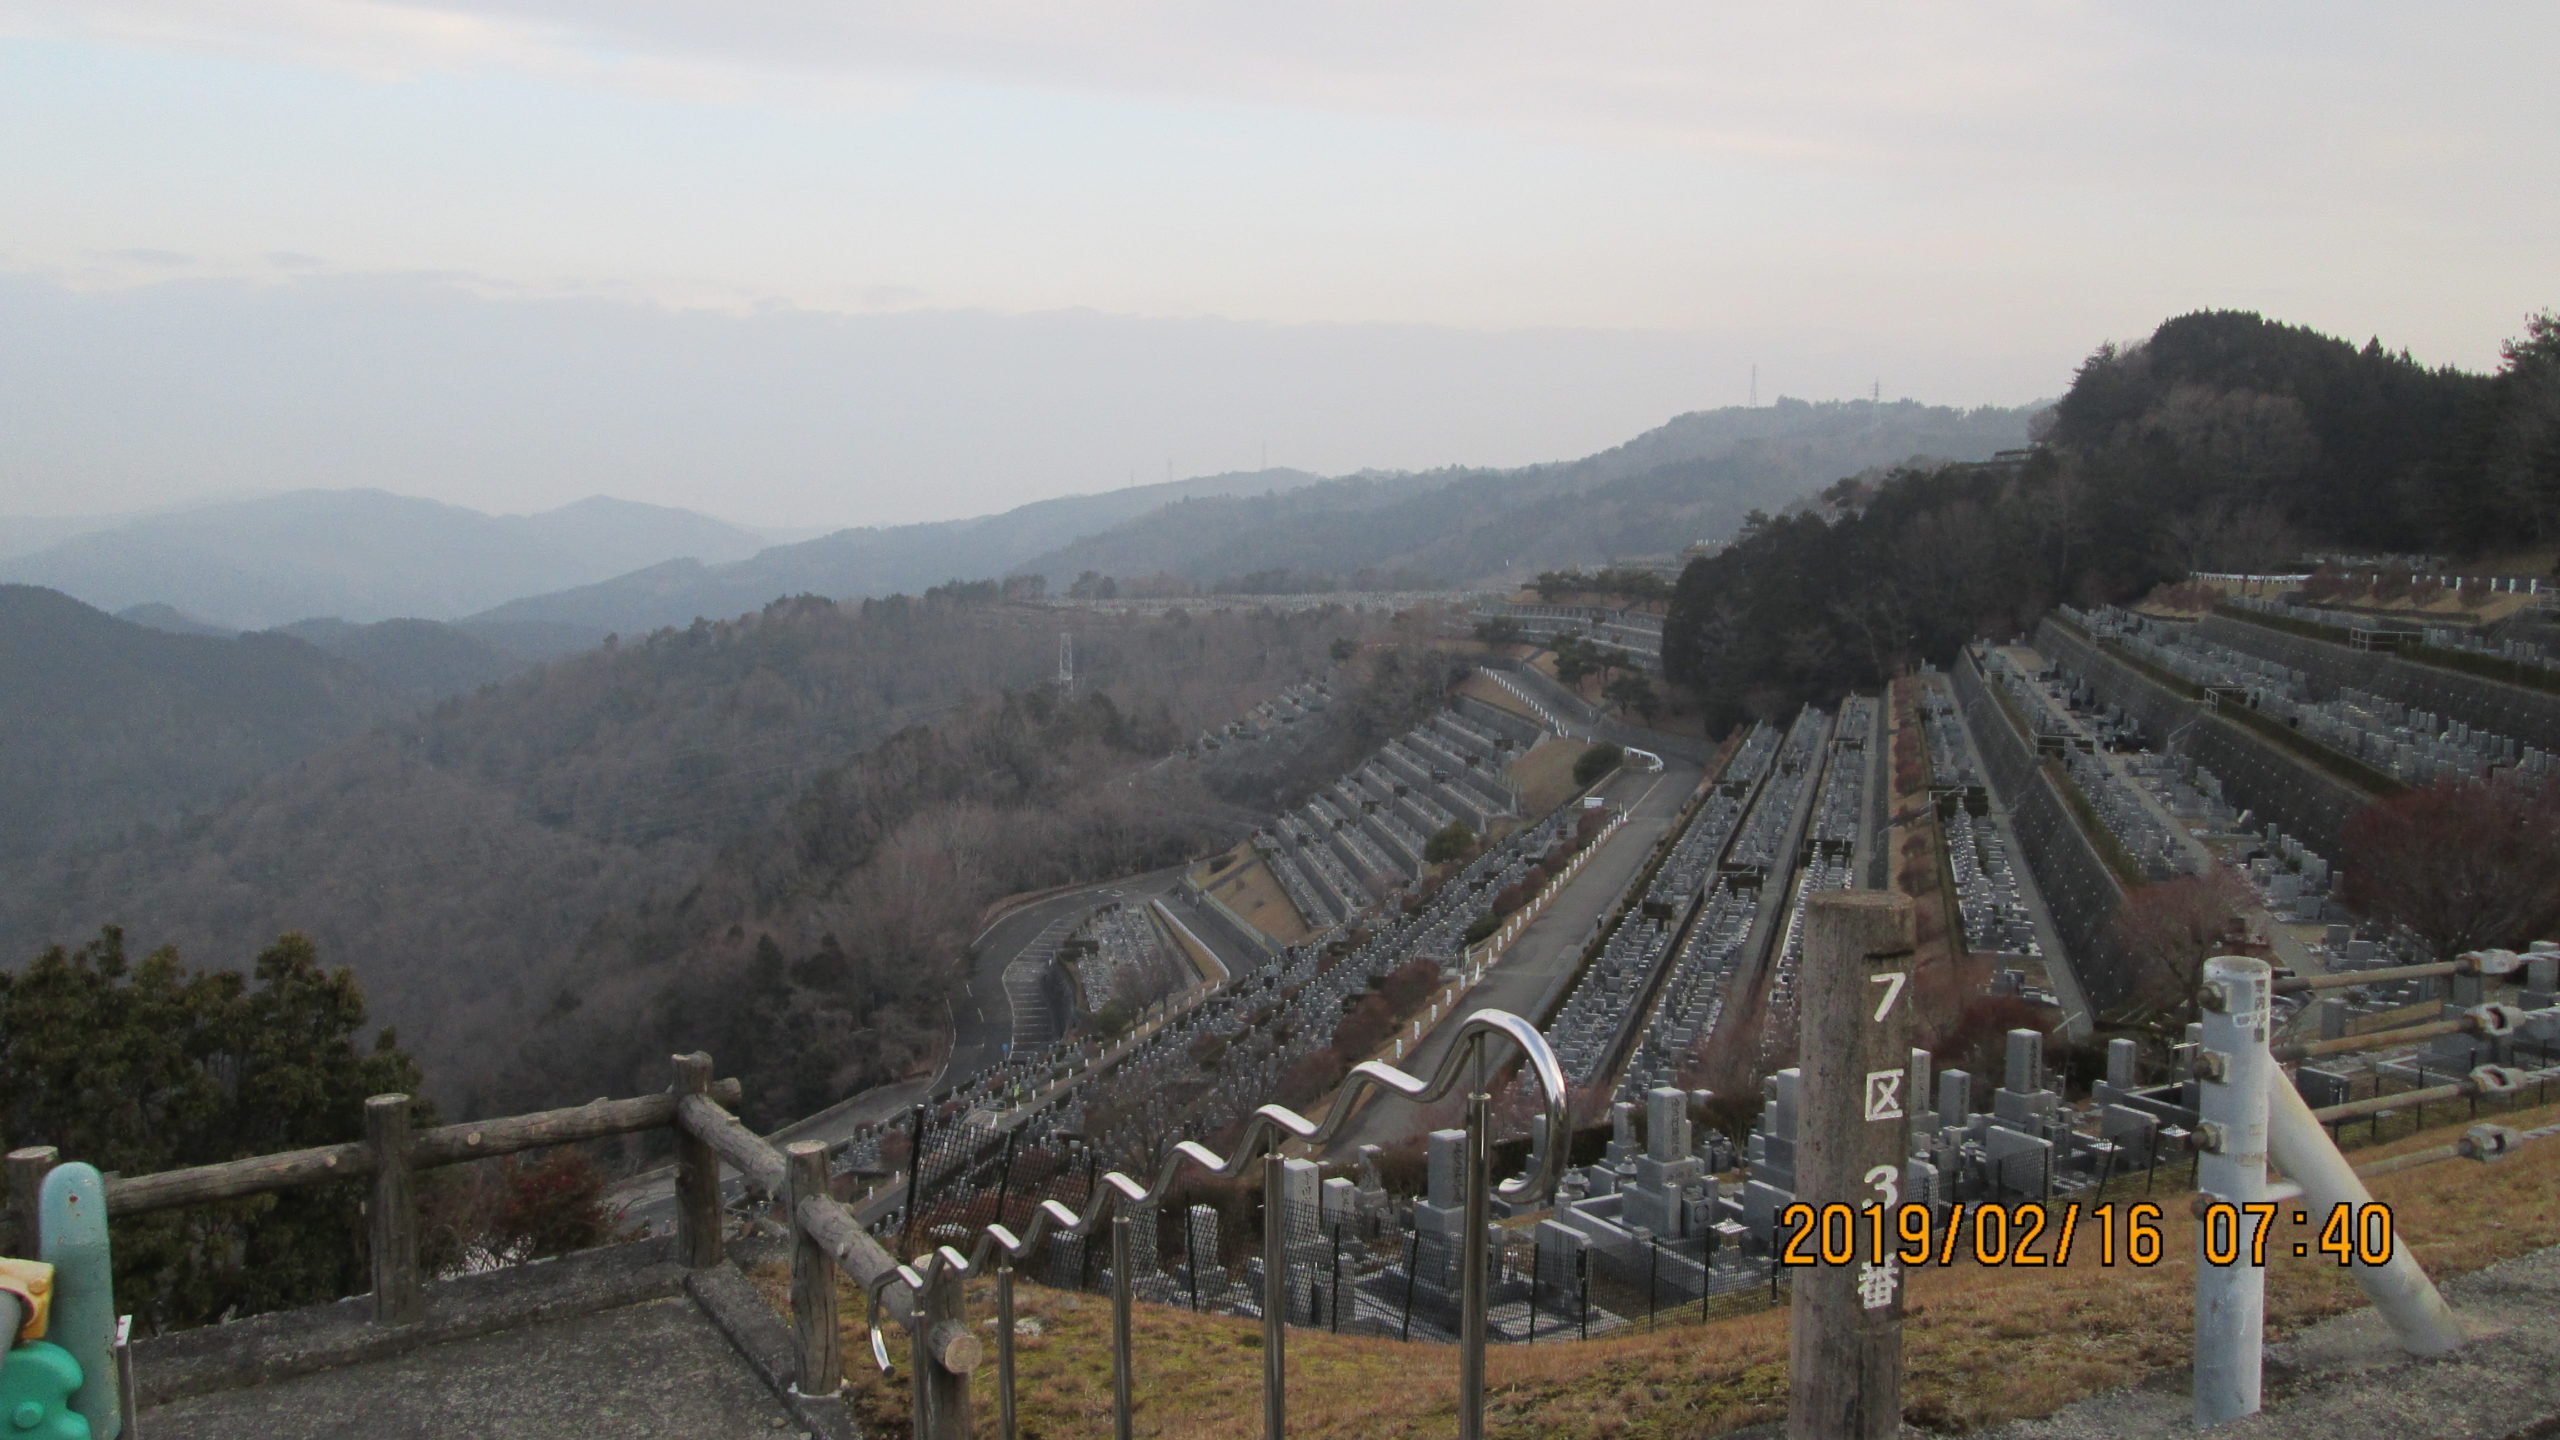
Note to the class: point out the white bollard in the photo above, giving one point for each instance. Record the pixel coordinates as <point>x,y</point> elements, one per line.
<point>2231,1298</point>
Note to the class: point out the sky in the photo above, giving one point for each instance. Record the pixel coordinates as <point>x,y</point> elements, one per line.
<point>817,262</point>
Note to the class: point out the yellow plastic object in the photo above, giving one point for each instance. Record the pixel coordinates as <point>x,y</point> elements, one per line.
<point>32,1282</point>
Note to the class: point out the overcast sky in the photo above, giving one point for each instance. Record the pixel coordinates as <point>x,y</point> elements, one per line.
<point>821,261</point>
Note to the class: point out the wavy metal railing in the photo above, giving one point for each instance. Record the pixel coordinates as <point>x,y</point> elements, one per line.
<point>922,1295</point>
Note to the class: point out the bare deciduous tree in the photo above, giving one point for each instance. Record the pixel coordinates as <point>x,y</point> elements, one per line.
<point>2460,866</point>
<point>2167,931</point>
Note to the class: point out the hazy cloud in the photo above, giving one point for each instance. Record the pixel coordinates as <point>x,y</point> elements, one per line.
<point>1865,86</point>
<point>157,259</point>
<point>1490,231</point>
<point>136,397</point>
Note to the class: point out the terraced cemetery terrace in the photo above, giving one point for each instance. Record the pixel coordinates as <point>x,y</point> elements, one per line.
<point>1359,840</point>
<point>2410,745</point>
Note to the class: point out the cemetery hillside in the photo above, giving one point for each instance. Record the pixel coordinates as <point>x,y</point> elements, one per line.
<point>2224,442</point>
<point>1822,918</point>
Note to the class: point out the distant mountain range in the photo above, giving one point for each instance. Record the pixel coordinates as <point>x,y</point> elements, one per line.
<point>116,721</point>
<point>363,555</point>
<point>531,587</point>
<point>1695,478</point>
<point>881,560</point>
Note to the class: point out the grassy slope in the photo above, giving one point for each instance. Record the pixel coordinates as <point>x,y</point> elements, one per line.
<point>1984,1345</point>
<point>1250,889</point>
<point>1545,774</point>
<point>1485,689</point>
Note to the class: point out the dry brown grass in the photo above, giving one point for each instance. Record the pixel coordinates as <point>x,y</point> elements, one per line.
<point>1248,888</point>
<point>1545,774</point>
<point>1483,688</point>
<point>1983,1345</point>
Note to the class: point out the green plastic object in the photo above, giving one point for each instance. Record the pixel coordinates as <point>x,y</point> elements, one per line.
<point>36,1383</point>
<point>72,1228</point>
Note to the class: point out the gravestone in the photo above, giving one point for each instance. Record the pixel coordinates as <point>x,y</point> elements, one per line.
<point>1955,1099</point>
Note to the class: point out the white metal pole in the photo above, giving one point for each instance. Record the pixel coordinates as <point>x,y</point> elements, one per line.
<point>2231,1298</point>
<point>2398,1287</point>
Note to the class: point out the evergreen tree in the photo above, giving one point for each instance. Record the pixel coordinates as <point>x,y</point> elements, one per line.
<point>143,1067</point>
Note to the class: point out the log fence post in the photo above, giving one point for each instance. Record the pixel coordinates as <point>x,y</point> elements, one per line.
<point>26,1169</point>
<point>394,1211</point>
<point>945,1352</point>
<point>699,1243</point>
<point>28,1166</point>
<point>813,1277</point>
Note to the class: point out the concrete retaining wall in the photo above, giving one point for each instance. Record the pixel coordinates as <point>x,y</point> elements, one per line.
<point>1577,711</point>
<point>2531,716</point>
<point>2080,892</point>
<point>2310,803</point>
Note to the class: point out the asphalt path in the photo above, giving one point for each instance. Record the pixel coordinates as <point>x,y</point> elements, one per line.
<point>1531,975</point>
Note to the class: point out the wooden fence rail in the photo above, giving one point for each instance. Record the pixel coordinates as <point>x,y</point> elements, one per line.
<point>428,1149</point>
<point>389,1155</point>
<point>924,1297</point>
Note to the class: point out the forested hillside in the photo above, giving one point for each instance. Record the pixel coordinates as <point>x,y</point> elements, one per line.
<point>2224,441</point>
<point>110,725</point>
<point>1692,479</point>
<point>851,564</point>
<point>539,881</point>
<point>818,954</point>
<point>423,659</point>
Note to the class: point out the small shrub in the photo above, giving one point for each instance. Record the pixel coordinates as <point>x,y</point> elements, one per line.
<point>1453,842</point>
<point>1595,762</point>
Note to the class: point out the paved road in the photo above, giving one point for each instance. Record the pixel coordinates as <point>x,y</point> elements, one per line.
<point>982,1016</point>
<point>1529,977</point>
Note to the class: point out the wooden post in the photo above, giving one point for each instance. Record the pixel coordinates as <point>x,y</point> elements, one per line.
<point>1844,1366</point>
<point>27,1168</point>
<point>698,1238</point>
<point>813,1277</point>
<point>394,1211</point>
<point>945,1352</point>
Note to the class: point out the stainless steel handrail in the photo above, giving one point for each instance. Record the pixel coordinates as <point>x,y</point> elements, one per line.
<point>1269,1128</point>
